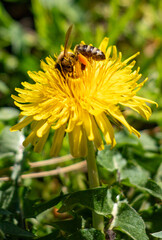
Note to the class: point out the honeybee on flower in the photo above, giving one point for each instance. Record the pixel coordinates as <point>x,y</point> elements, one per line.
<point>82,100</point>
<point>72,63</point>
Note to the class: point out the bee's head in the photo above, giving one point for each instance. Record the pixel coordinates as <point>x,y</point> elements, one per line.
<point>66,60</point>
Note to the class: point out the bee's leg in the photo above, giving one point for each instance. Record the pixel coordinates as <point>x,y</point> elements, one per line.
<point>83,59</point>
<point>78,70</point>
<point>82,66</point>
<point>73,73</point>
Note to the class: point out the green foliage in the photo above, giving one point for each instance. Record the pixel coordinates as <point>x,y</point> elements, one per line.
<point>157,234</point>
<point>87,234</point>
<point>10,229</point>
<point>11,143</point>
<point>33,207</point>
<point>127,220</point>
<point>130,174</point>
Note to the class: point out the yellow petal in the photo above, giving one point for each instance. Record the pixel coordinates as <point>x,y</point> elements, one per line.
<point>50,61</point>
<point>108,52</point>
<point>60,122</point>
<point>57,141</point>
<point>38,77</point>
<point>18,99</point>
<point>82,42</point>
<point>130,58</point>
<point>44,65</point>
<point>39,125</point>
<point>119,116</point>
<point>29,139</point>
<point>27,85</point>
<point>43,129</point>
<point>21,124</point>
<point>106,128</point>
<point>87,123</point>
<point>114,56</point>
<point>71,125</point>
<point>146,100</point>
<point>97,136</point>
<point>104,44</point>
<point>38,147</point>
<point>78,142</point>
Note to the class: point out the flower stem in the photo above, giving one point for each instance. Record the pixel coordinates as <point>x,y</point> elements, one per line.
<point>98,220</point>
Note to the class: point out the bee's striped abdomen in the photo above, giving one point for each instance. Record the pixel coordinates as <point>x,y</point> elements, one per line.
<point>90,51</point>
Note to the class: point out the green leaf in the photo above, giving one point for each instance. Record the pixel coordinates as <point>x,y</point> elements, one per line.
<point>157,234</point>
<point>7,113</point>
<point>8,196</point>
<point>131,175</point>
<point>97,199</point>
<point>137,177</point>
<point>87,234</point>
<point>123,138</point>
<point>13,230</point>
<point>158,177</point>
<point>149,160</point>
<point>128,221</point>
<point>54,235</point>
<point>152,216</point>
<point>11,143</point>
<point>70,226</point>
<point>153,188</point>
<point>33,207</point>
<point>110,159</point>
<point>148,143</point>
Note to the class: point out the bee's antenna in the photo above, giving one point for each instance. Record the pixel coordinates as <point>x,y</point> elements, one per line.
<point>67,37</point>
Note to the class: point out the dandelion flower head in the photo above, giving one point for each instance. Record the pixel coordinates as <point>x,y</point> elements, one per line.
<point>82,107</point>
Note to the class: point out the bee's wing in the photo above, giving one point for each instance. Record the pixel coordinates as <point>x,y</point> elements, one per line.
<point>67,37</point>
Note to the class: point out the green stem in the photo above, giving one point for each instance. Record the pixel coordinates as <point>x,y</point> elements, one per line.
<point>98,220</point>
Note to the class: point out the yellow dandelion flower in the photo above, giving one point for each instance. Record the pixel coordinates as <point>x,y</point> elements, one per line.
<point>82,106</point>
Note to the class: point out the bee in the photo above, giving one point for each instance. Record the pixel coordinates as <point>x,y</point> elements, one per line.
<point>70,64</point>
<point>90,52</point>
